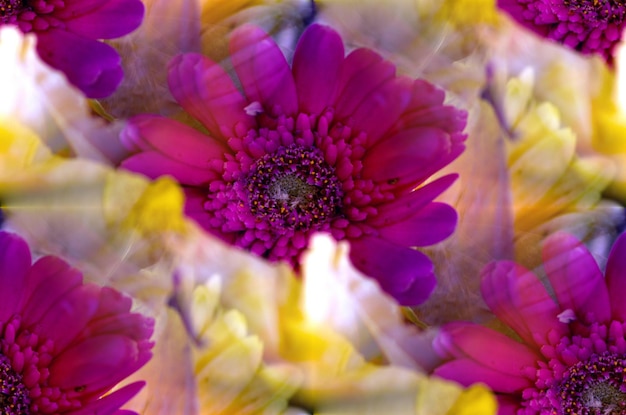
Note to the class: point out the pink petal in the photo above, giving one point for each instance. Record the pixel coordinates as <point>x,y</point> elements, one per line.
<point>468,340</point>
<point>15,262</point>
<point>616,278</point>
<point>263,70</point>
<point>206,92</point>
<point>103,19</point>
<point>404,273</point>
<point>409,156</point>
<point>47,282</point>
<point>508,405</point>
<point>382,107</point>
<point>576,278</point>
<point>426,109</point>
<point>173,139</point>
<point>426,226</point>
<point>467,372</point>
<point>520,300</point>
<point>94,363</point>
<point>317,65</point>
<point>154,164</point>
<point>364,71</point>
<point>110,403</point>
<point>69,315</point>
<point>404,206</point>
<point>92,66</point>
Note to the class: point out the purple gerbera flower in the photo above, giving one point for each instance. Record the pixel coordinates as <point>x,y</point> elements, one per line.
<point>63,344</point>
<point>67,33</point>
<point>588,26</point>
<point>331,144</point>
<point>571,353</point>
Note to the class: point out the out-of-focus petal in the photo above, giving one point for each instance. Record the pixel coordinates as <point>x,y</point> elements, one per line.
<point>576,279</point>
<point>263,70</point>
<point>210,96</point>
<point>413,270</point>
<point>616,279</point>
<point>519,299</point>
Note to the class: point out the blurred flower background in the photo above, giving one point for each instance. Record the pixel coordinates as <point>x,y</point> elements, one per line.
<point>312,207</point>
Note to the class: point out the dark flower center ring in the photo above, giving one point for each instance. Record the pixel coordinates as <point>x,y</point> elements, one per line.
<point>14,396</point>
<point>294,188</point>
<point>9,8</point>
<point>595,386</point>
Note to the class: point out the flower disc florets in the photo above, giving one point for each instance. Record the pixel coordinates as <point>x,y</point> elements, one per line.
<point>293,188</point>
<point>9,9</point>
<point>14,399</point>
<point>588,26</point>
<point>595,386</point>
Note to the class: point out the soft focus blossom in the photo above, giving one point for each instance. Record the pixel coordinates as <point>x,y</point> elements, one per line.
<point>112,225</point>
<point>335,144</point>
<point>40,97</point>
<point>259,346</point>
<point>67,33</point>
<point>588,26</point>
<point>64,344</point>
<point>570,354</point>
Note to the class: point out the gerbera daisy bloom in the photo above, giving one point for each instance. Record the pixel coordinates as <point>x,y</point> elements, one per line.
<point>332,144</point>
<point>588,26</point>
<point>570,356</point>
<point>63,344</point>
<point>67,33</point>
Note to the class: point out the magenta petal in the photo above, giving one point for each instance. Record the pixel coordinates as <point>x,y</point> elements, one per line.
<point>173,139</point>
<point>508,405</point>
<point>364,71</point>
<point>520,300</point>
<point>409,156</point>
<point>381,109</point>
<point>427,109</point>
<point>96,360</point>
<point>426,226</point>
<point>468,340</point>
<point>154,164</point>
<point>398,270</point>
<point>467,372</point>
<point>616,278</point>
<point>317,65</point>
<point>105,19</point>
<point>263,70</point>
<point>110,403</point>
<point>576,278</point>
<point>47,282</point>
<point>404,206</point>
<point>15,262</point>
<point>204,90</point>
<point>92,66</point>
<point>67,317</point>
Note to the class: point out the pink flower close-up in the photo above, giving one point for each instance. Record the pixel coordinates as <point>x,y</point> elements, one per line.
<point>568,354</point>
<point>331,143</point>
<point>64,344</point>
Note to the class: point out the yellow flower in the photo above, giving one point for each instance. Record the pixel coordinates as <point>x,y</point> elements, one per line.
<point>258,318</point>
<point>108,223</point>
<point>39,97</point>
<point>468,12</point>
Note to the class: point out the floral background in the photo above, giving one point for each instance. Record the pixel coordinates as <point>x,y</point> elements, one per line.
<point>312,207</point>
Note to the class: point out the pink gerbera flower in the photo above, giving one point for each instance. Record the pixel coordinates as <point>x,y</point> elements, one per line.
<point>67,36</point>
<point>331,144</point>
<point>570,357</point>
<point>63,344</point>
<point>588,26</point>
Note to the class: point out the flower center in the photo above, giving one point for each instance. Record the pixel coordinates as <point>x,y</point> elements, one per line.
<point>598,10</point>
<point>14,396</point>
<point>595,386</point>
<point>294,188</point>
<point>9,8</point>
